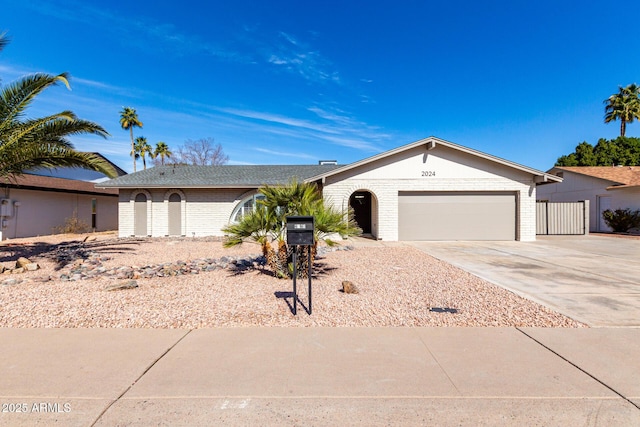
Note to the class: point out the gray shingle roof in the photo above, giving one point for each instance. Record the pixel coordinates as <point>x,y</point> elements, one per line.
<point>229,176</point>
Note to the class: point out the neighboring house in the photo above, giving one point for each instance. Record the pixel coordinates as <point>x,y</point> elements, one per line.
<point>41,201</point>
<point>37,205</point>
<point>427,190</point>
<point>78,173</point>
<point>606,187</point>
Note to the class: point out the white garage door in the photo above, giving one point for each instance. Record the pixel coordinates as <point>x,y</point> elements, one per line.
<point>456,216</point>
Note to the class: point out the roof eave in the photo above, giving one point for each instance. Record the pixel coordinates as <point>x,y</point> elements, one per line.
<point>622,187</point>
<point>177,185</point>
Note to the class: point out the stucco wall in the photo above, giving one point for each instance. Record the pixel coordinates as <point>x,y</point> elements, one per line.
<point>626,198</point>
<point>576,187</point>
<point>41,212</point>
<point>439,169</point>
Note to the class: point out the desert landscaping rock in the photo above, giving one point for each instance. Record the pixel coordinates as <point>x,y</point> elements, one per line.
<point>348,287</point>
<point>131,284</point>
<point>22,262</point>
<point>32,266</point>
<point>196,283</point>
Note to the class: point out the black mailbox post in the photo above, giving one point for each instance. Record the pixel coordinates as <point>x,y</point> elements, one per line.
<point>300,232</point>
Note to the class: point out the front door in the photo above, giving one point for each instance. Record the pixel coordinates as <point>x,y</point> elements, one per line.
<point>360,201</point>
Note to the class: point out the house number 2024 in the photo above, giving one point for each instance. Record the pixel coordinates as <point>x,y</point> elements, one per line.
<point>428,173</point>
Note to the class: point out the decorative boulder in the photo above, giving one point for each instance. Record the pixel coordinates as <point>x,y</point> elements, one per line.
<point>22,262</point>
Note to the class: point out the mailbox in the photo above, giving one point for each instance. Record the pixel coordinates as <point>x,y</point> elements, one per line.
<point>300,230</point>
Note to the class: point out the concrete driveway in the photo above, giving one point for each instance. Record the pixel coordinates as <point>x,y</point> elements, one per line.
<point>593,279</point>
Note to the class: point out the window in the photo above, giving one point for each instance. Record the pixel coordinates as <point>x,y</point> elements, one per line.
<point>94,213</point>
<point>245,207</point>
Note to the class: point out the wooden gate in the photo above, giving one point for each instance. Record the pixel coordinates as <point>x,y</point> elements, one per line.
<point>562,218</point>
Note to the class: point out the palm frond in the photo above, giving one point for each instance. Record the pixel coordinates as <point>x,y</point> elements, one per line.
<point>16,96</point>
<point>50,156</point>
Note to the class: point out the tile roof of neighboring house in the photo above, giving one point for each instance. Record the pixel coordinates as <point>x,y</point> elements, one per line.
<point>47,183</point>
<point>225,176</point>
<point>620,176</point>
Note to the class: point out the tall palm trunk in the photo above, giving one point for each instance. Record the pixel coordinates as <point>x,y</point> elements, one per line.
<point>269,255</point>
<point>304,260</point>
<point>133,152</point>
<point>283,259</point>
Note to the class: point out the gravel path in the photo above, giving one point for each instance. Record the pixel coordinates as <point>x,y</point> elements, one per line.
<point>398,286</point>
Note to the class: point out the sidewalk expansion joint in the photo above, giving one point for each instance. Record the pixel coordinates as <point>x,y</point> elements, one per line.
<point>435,359</point>
<point>140,376</point>
<point>579,368</point>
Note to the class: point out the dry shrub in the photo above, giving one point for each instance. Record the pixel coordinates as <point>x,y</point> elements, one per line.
<point>72,225</point>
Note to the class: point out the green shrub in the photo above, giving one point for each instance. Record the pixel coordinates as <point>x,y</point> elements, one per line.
<point>621,220</point>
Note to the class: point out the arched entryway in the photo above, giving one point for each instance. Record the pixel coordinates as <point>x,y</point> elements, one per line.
<point>175,215</point>
<point>140,215</point>
<point>362,204</point>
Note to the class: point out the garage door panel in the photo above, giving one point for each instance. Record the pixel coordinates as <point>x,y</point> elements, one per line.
<point>456,216</point>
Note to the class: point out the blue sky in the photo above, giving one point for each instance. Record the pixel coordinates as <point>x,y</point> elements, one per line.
<point>293,82</point>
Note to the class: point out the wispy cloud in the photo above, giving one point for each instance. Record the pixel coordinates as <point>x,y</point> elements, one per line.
<point>349,124</point>
<point>143,32</point>
<point>279,120</point>
<point>284,51</point>
<point>298,57</point>
<point>335,128</point>
<point>12,72</point>
<point>295,154</point>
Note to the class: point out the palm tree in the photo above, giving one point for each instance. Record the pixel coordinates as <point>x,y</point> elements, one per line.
<point>623,106</point>
<point>267,223</point>
<point>41,142</point>
<point>129,120</point>
<point>3,40</point>
<point>162,151</point>
<point>142,148</point>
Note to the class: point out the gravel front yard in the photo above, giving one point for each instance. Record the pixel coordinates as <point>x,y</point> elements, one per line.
<point>398,286</point>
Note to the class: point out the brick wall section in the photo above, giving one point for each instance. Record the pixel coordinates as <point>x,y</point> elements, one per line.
<point>204,212</point>
<point>386,191</point>
<point>453,171</point>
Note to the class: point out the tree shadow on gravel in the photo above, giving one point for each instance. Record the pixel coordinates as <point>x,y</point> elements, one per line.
<point>320,269</point>
<point>236,270</point>
<point>66,252</point>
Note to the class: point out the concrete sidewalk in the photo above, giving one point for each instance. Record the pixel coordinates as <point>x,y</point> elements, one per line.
<point>321,376</point>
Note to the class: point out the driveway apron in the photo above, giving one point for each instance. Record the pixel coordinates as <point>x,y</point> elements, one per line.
<point>592,279</point>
